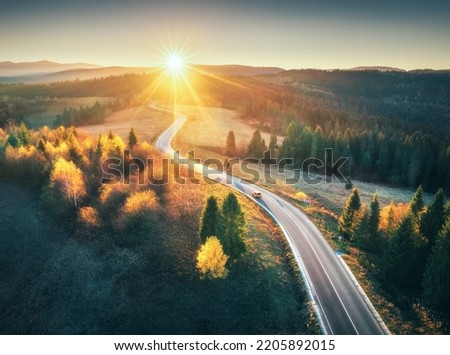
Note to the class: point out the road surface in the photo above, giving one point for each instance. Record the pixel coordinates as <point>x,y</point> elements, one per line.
<point>339,303</point>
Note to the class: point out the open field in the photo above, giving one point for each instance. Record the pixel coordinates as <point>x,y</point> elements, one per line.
<point>56,106</point>
<point>208,127</point>
<point>333,195</point>
<point>146,122</point>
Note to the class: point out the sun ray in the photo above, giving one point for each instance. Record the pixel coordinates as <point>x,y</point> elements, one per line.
<point>176,81</point>
<point>220,78</point>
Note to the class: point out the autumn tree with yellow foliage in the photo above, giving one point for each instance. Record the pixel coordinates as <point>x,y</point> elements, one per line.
<point>211,259</point>
<point>68,178</point>
<point>391,217</point>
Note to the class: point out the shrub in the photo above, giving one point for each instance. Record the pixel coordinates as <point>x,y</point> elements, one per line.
<point>89,216</point>
<point>138,214</point>
<point>140,202</point>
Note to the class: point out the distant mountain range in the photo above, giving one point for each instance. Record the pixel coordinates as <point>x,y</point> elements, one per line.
<point>86,74</point>
<point>46,71</point>
<point>39,68</point>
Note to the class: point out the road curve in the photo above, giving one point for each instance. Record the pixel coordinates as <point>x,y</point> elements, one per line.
<point>340,304</point>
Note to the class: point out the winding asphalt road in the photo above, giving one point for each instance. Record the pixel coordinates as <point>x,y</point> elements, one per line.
<point>339,302</point>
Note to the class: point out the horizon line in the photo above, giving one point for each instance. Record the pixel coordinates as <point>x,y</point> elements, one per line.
<point>101,66</point>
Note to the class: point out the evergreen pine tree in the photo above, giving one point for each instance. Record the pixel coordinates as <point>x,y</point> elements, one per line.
<point>273,143</point>
<point>233,227</point>
<point>402,258</point>
<point>303,145</point>
<point>375,242</point>
<point>414,168</point>
<point>436,279</point>
<point>99,149</point>
<point>230,148</point>
<point>366,162</point>
<point>390,229</point>
<point>132,139</point>
<point>287,149</point>
<point>361,229</point>
<point>263,145</point>
<point>313,153</point>
<point>348,164</point>
<point>346,219</point>
<point>433,218</point>
<point>75,151</point>
<point>41,145</point>
<point>255,148</point>
<point>12,140</point>
<point>382,163</point>
<point>23,135</point>
<point>399,257</point>
<point>336,149</point>
<point>417,205</point>
<point>417,208</point>
<point>211,223</point>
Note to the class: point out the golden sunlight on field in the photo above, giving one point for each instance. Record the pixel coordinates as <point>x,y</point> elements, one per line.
<point>147,123</point>
<point>209,126</point>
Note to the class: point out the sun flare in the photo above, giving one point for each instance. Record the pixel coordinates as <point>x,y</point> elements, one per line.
<point>175,63</point>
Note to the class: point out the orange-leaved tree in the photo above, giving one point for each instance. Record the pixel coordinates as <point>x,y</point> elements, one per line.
<point>89,216</point>
<point>391,217</point>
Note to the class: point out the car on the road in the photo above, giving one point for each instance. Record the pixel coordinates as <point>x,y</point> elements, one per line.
<point>256,194</point>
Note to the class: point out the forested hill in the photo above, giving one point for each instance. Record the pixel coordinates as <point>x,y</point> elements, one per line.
<point>395,126</point>
<point>422,96</point>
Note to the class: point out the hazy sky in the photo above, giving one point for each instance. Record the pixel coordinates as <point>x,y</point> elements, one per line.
<point>290,34</point>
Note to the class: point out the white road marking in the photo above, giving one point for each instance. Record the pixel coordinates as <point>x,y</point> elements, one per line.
<point>323,268</point>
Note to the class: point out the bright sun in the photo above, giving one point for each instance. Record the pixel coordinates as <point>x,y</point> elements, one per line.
<point>175,63</point>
